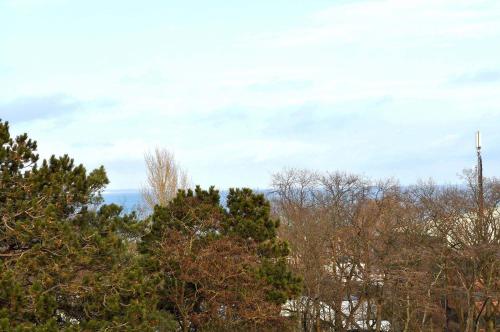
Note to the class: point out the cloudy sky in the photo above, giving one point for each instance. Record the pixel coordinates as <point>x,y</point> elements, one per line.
<point>241,89</point>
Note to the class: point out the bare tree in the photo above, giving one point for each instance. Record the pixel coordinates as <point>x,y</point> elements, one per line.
<point>375,255</point>
<point>469,230</point>
<point>164,178</point>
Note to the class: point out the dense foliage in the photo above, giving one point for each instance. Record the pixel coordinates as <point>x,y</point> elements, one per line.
<point>64,264</point>
<point>69,263</point>
<point>221,269</point>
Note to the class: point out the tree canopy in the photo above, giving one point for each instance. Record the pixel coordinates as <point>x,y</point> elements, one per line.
<point>71,263</point>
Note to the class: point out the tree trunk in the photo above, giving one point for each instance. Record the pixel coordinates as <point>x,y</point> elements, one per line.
<point>470,318</point>
<point>407,322</point>
<point>185,324</point>
<point>379,316</point>
<point>338,320</point>
<point>490,318</point>
<point>318,318</point>
<point>491,325</point>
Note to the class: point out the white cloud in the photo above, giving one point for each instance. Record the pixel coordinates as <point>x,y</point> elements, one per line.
<point>387,21</point>
<point>382,72</point>
<point>27,4</point>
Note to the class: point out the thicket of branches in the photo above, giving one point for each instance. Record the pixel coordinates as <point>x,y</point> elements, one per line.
<point>379,256</point>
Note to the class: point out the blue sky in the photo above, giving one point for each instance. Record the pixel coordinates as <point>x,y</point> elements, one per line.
<point>241,89</point>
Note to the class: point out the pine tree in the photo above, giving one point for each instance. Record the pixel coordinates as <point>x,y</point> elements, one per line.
<point>64,265</point>
<point>221,268</point>
<point>70,263</point>
<point>250,218</point>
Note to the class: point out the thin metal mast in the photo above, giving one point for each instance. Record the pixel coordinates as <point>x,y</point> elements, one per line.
<point>480,179</point>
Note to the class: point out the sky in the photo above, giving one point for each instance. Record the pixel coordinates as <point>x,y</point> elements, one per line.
<point>239,90</point>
